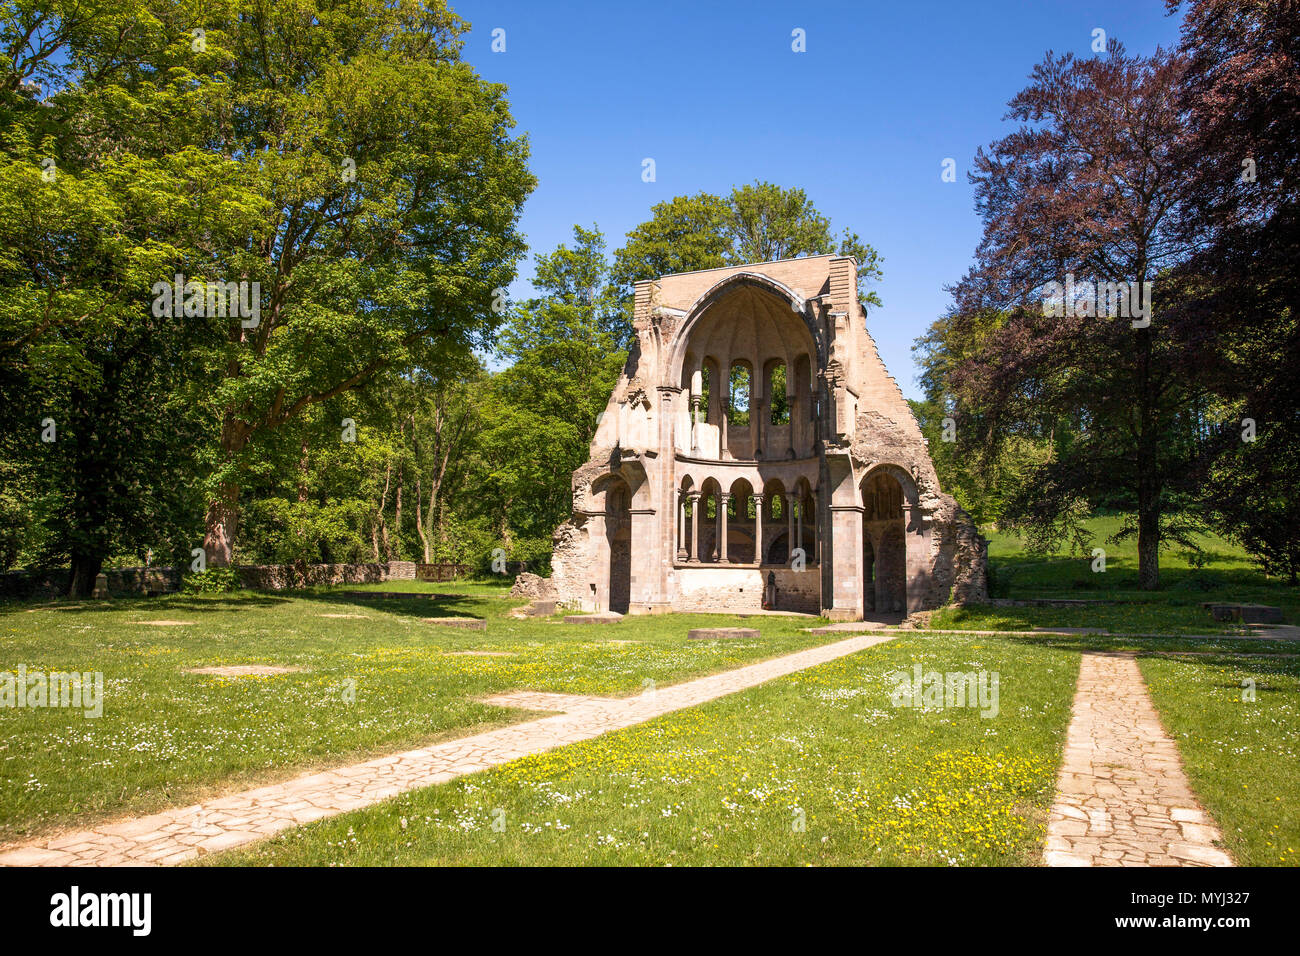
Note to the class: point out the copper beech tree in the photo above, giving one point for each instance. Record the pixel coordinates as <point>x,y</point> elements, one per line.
<point>1076,347</point>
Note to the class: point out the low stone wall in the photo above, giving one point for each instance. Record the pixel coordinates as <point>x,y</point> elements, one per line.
<point>741,589</point>
<point>39,586</point>
<point>287,577</point>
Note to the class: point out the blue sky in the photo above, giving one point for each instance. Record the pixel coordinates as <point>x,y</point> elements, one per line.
<point>714,94</point>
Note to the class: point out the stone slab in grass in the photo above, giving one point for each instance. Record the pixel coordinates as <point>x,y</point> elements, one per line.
<point>246,670</point>
<point>467,623</point>
<point>721,633</point>
<point>1245,613</point>
<point>600,617</point>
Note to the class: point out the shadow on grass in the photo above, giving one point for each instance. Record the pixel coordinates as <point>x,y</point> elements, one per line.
<point>417,605</point>
<point>184,602</point>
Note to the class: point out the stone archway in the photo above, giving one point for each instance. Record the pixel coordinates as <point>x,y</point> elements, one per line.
<point>618,538</point>
<point>884,545</point>
<point>891,569</point>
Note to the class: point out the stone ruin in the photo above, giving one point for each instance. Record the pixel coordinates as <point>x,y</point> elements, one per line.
<point>756,453</point>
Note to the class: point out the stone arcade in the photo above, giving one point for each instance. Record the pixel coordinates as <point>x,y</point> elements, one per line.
<point>756,453</point>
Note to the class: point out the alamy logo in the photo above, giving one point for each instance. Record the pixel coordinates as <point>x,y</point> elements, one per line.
<point>75,908</point>
<point>1132,300</point>
<point>215,299</point>
<point>83,692</point>
<point>936,690</point>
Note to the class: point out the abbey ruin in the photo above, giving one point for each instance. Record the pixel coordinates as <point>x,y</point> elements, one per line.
<point>755,453</point>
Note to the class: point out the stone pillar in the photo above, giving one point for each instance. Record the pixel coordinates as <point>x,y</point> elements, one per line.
<point>755,414</point>
<point>695,527</point>
<point>723,500</point>
<point>793,429</point>
<point>789,527</point>
<point>813,537</point>
<point>681,526</point>
<point>799,524</point>
<point>758,529</point>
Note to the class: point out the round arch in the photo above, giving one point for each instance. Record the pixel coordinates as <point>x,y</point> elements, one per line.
<point>719,291</point>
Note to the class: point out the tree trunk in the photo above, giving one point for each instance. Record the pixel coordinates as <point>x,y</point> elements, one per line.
<point>419,519</point>
<point>222,523</point>
<point>85,568</point>
<point>1148,543</point>
<point>1149,489</point>
<point>397,517</point>
<point>222,519</point>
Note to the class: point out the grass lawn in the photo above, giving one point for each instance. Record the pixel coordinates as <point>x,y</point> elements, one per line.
<point>375,679</point>
<point>1242,757</point>
<point>815,768</point>
<point>1227,575</point>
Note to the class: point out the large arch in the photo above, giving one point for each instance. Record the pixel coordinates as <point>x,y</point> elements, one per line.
<point>895,544</point>
<point>786,297</point>
<point>755,323</point>
<point>612,497</point>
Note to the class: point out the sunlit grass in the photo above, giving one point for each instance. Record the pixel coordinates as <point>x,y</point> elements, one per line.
<point>815,768</point>
<point>375,679</point>
<point>1242,755</point>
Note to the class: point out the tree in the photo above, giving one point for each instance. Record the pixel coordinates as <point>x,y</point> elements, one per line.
<point>756,223</point>
<point>393,191</point>
<point>1241,92</point>
<point>683,234</point>
<point>1089,186</point>
<point>95,205</point>
<point>565,357</point>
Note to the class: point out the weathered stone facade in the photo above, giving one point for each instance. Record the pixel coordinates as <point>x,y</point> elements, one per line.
<point>809,488</point>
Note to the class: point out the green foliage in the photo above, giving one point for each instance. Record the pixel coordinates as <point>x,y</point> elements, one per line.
<point>211,581</point>
<point>755,223</point>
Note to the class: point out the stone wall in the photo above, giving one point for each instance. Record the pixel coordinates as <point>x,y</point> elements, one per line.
<point>284,577</point>
<point>741,589</point>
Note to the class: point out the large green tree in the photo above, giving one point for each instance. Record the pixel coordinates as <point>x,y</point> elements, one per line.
<point>758,222</point>
<point>393,187</point>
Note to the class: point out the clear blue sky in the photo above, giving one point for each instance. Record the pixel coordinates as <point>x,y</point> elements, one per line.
<point>714,94</point>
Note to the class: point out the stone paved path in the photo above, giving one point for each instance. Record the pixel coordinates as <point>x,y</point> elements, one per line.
<point>177,835</point>
<point>1122,797</point>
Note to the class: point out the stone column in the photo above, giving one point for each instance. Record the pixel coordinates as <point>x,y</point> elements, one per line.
<point>791,397</point>
<point>695,527</point>
<point>789,527</point>
<point>758,529</point>
<point>755,413</point>
<point>723,500</point>
<point>812,530</point>
<point>799,523</point>
<point>681,526</point>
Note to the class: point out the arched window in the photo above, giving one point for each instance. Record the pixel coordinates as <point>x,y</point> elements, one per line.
<point>738,413</point>
<point>776,391</point>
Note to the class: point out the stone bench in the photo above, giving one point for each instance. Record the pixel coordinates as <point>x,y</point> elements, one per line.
<point>468,623</point>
